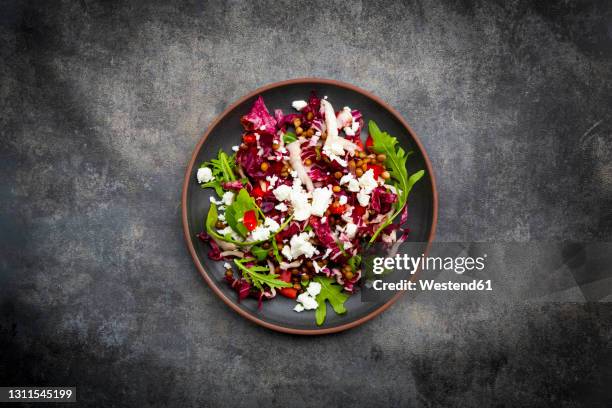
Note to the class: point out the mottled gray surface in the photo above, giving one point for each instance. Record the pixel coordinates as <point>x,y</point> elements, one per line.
<point>102,104</point>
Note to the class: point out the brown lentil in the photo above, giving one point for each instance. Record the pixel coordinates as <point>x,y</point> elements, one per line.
<point>264,166</point>
<point>385,175</point>
<point>359,172</point>
<point>299,130</point>
<point>336,189</point>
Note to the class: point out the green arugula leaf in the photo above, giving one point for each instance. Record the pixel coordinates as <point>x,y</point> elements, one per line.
<point>396,163</point>
<point>254,276</point>
<point>234,212</point>
<point>355,262</point>
<point>259,253</point>
<point>275,250</point>
<point>289,137</point>
<point>222,169</point>
<point>213,216</point>
<point>333,294</point>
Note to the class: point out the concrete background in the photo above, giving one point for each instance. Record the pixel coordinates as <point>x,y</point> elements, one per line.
<point>102,104</point>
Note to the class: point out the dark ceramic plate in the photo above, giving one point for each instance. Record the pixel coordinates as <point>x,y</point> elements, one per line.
<point>226,132</point>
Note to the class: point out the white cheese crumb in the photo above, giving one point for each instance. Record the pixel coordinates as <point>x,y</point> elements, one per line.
<point>261,233</point>
<point>262,127</point>
<point>227,265</point>
<point>281,207</point>
<point>363,198</point>
<point>235,148</point>
<point>367,181</point>
<point>299,105</point>
<point>353,185</point>
<point>346,178</point>
<point>321,199</point>
<point>351,230</point>
<point>272,225</point>
<point>342,200</point>
<point>314,288</point>
<point>228,198</point>
<point>307,301</point>
<point>282,193</point>
<point>272,180</point>
<point>299,308</point>
<point>204,175</point>
<point>299,245</point>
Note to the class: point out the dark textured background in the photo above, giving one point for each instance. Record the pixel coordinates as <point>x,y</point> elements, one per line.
<point>102,104</point>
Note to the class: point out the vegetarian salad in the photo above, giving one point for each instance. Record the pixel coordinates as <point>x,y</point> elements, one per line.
<point>300,199</point>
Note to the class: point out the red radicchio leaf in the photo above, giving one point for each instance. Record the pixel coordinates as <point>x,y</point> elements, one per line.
<point>250,161</point>
<point>215,252</point>
<point>382,200</point>
<point>259,117</point>
<point>232,185</point>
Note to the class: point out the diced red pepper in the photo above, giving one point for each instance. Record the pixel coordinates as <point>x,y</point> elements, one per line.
<point>250,220</point>
<point>369,142</point>
<point>376,169</point>
<point>290,293</point>
<point>257,192</point>
<point>285,276</point>
<point>249,138</point>
<point>359,144</point>
<point>338,209</point>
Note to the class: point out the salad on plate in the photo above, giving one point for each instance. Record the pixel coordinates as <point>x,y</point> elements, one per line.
<point>298,201</point>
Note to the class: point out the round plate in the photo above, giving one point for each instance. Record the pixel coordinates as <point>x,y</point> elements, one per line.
<point>226,132</point>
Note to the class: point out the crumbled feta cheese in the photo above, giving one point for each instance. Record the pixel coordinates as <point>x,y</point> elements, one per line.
<point>342,200</point>
<point>204,175</point>
<point>282,207</point>
<point>272,225</point>
<point>299,245</point>
<point>363,198</point>
<point>353,185</point>
<point>282,193</point>
<point>348,215</point>
<point>299,307</point>
<point>261,233</point>
<point>299,105</point>
<point>349,131</point>
<point>314,288</point>
<point>228,198</point>
<point>307,301</point>
<point>346,178</point>
<point>351,230</point>
<point>272,180</point>
<point>321,199</point>
<point>367,181</point>
<point>215,201</point>
<point>286,251</point>
<point>323,220</point>
<point>225,231</point>
<point>227,265</point>
<point>221,217</point>
<point>262,127</point>
<point>235,148</point>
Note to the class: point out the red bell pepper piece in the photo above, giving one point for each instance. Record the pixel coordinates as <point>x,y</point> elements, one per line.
<point>250,220</point>
<point>339,209</point>
<point>257,192</point>
<point>376,169</point>
<point>290,293</point>
<point>249,138</point>
<point>285,276</point>
<point>369,142</point>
